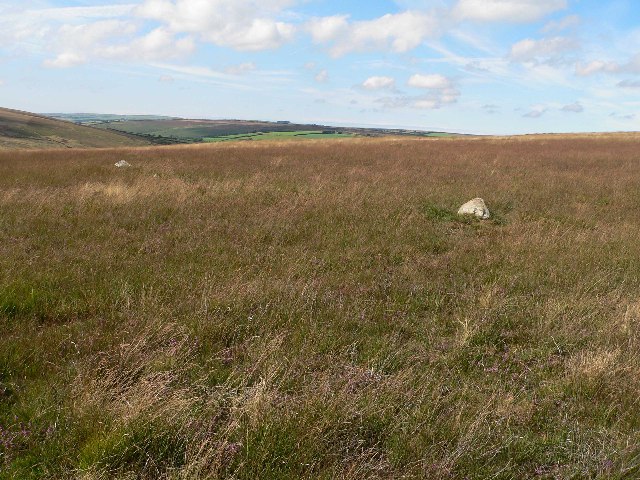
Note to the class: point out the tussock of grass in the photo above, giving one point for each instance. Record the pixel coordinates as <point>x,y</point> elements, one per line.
<point>318,310</point>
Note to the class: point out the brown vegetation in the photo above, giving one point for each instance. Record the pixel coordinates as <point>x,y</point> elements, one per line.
<point>30,131</point>
<point>317,310</point>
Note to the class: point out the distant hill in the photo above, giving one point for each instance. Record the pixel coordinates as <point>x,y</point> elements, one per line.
<point>164,130</point>
<point>27,130</point>
<point>97,118</point>
<point>180,130</point>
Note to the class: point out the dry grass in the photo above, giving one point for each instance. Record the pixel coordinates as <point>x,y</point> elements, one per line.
<point>317,310</point>
<point>23,130</point>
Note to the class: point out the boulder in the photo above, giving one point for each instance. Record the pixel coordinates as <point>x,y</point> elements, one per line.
<point>123,164</point>
<point>475,207</point>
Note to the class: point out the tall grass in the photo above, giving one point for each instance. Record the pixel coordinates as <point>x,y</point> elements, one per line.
<point>317,310</point>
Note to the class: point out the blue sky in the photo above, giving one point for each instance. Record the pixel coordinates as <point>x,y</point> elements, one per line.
<point>475,66</point>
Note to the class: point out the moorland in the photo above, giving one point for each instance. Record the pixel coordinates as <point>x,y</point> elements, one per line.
<point>174,130</point>
<point>318,310</point>
<point>25,130</point>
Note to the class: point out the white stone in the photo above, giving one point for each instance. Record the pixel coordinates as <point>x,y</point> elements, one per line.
<point>475,207</point>
<point>123,164</point>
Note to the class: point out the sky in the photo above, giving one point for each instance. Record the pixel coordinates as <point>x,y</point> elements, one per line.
<point>470,66</point>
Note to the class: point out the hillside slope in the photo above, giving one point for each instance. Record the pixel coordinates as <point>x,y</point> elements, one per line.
<point>180,130</point>
<point>27,130</point>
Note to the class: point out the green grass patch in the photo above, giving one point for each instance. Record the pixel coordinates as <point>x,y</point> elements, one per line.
<point>297,135</point>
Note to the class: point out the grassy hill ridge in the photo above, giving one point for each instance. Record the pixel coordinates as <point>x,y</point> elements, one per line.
<point>194,131</point>
<point>20,129</point>
<point>163,130</point>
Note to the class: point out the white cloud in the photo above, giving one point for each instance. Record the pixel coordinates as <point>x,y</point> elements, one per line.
<point>201,72</point>
<point>71,36</point>
<point>379,83</point>
<point>327,29</point>
<point>536,111</point>
<point>427,104</point>
<point>600,66</point>
<point>67,14</point>
<point>565,23</point>
<point>255,80</point>
<point>434,81</point>
<point>399,33</point>
<point>26,27</point>
<point>573,108</point>
<point>490,108</point>
<point>2,83</point>
<point>159,44</point>
<point>241,69</point>
<point>78,44</point>
<point>322,76</point>
<point>546,49</point>
<point>65,60</point>
<point>440,91</point>
<point>623,116</point>
<point>632,84</point>
<point>249,25</point>
<point>596,66</point>
<point>517,11</point>
<point>431,101</point>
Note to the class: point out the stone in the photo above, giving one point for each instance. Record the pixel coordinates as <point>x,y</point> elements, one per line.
<point>475,207</point>
<point>123,164</point>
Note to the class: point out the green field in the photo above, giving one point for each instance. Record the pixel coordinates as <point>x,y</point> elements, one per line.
<point>301,135</point>
<point>439,135</point>
<point>211,131</point>
<point>201,129</point>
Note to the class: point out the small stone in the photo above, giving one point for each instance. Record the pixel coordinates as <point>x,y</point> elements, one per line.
<point>475,207</point>
<point>123,164</point>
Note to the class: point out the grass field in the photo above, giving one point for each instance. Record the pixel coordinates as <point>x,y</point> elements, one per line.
<point>198,129</point>
<point>25,130</point>
<point>211,131</point>
<point>301,135</point>
<point>285,310</point>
